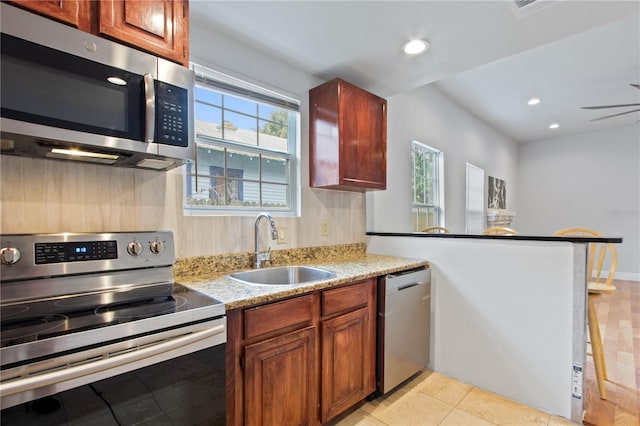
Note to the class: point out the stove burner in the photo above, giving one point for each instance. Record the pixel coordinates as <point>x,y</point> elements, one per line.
<point>90,301</point>
<point>14,310</point>
<point>135,310</point>
<point>30,329</point>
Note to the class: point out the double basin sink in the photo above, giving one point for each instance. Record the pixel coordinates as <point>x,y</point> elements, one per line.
<point>282,275</point>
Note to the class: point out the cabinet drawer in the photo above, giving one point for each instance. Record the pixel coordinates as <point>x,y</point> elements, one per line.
<point>288,314</point>
<point>346,298</point>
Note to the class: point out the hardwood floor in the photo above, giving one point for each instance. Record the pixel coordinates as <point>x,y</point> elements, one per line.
<point>619,318</point>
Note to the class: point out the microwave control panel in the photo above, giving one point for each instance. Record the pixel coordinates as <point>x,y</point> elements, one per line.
<point>171,115</point>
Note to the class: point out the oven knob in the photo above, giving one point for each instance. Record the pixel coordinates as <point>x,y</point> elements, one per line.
<point>156,247</point>
<point>134,248</point>
<point>9,255</point>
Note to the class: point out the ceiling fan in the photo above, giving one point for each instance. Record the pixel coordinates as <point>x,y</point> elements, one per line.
<point>637,86</point>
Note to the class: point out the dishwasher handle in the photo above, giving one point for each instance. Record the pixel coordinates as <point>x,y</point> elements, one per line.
<point>399,282</point>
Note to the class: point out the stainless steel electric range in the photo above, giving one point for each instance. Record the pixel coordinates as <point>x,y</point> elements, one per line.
<point>76,309</point>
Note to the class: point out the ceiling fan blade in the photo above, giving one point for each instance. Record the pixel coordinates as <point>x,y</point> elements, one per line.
<point>637,86</point>
<point>609,106</point>
<point>615,115</point>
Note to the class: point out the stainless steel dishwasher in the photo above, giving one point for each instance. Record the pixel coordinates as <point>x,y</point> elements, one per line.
<point>404,308</point>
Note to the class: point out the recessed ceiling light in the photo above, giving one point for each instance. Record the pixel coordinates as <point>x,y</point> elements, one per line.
<point>415,47</point>
<point>533,101</point>
<point>554,126</point>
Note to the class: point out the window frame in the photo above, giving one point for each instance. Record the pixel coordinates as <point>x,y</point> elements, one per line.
<point>438,187</point>
<point>231,86</point>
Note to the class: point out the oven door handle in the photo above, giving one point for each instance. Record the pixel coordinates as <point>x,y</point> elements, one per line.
<point>46,379</point>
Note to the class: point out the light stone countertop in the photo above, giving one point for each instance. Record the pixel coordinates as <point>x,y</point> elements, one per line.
<point>235,294</point>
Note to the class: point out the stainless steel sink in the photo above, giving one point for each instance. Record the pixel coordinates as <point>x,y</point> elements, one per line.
<point>282,275</point>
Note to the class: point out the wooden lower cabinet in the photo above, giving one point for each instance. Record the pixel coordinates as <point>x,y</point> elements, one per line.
<point>280,380</point>
<point>348,362</point>
<point>303,360</point>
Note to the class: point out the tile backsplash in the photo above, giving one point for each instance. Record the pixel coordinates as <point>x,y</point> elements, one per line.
<point>47,196</point>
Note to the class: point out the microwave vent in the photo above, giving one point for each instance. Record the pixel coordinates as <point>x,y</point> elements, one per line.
<point>154,163</point>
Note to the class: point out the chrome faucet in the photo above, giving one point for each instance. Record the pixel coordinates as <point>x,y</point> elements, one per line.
<point>258,256</point>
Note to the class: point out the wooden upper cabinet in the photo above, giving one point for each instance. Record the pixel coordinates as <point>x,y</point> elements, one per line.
<point>155,26</point>
<point>76,13</point>
<point>159,27</point>
<point>347,137</point>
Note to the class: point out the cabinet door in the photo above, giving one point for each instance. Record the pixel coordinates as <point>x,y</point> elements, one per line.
<point>159,27</point>
<point>363,144</point>
<point>348,362</point>
<point>280,385</point>
<point>72,12</point>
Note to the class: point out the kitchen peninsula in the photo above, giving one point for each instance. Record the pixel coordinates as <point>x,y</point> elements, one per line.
<point>508,312</point>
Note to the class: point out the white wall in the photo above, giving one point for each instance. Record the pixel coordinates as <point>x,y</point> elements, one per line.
<point>590,180</point>
<point>427,115</point>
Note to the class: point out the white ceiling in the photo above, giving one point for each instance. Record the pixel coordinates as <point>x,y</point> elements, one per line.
<point>486,55</point>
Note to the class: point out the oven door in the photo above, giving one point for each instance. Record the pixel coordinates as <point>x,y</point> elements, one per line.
<point>186,390</point>
<point>157,357</point>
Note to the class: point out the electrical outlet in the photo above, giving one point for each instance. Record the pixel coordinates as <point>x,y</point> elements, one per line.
<point>324,228</point>
<point>282,235</point>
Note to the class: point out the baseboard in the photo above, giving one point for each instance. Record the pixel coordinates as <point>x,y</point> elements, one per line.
<point>627,276</point>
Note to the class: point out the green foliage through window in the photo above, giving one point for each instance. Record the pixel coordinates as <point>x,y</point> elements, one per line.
<point>427,207</point>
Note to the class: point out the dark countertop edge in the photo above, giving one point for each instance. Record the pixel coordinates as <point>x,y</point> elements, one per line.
<point>614,240</point>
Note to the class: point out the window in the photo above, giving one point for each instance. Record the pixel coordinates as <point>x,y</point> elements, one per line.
<point>246,142</point>
<point>427,186</point>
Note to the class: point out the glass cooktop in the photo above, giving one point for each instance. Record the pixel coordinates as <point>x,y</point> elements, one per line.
<point>44,319</point>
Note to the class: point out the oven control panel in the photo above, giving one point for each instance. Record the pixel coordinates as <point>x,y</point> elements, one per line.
<point>75,251</point>
<point>25,256</point>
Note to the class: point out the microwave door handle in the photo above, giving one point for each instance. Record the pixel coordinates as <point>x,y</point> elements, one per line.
<point>150,108</point>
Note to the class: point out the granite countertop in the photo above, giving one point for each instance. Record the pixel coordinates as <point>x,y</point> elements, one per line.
<point>235,294</point>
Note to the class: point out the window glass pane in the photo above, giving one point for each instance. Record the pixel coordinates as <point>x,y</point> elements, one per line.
<point>273,135</point>
<point>209,156</point>
<point>235,191</point>
<point>240,105</point>
<point>267,111</point>
<point>208,121</point>
<point>428,178</point>
<point>274,196</point>
<point>240,128</point>
<point>208,96</point>
<point>201,193</point>
<point>251,194</point>
<point>418,177</point>
<point>423,217</point>
<point>274,169</point>
<point>243,165</point>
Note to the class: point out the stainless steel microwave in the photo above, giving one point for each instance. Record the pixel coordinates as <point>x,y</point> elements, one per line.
<point>67,94</point>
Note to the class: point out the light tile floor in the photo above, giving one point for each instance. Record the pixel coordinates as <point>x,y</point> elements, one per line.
<point>433,399</point>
